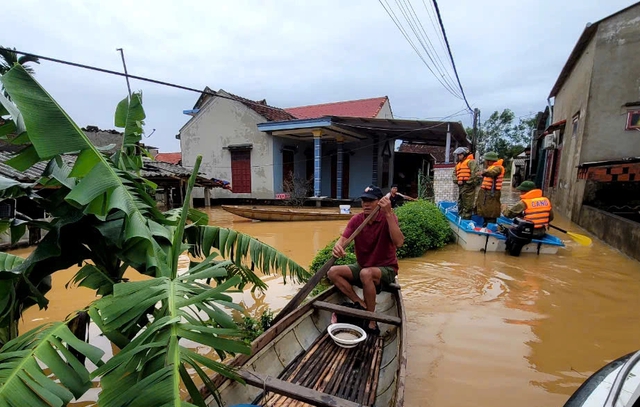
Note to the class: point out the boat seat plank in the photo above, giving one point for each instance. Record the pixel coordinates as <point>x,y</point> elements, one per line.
<point>372,316</point>
<point>346,374</point>
<point>294,391</point>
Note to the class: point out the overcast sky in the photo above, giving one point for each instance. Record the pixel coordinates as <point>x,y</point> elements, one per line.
<point>292,53</point>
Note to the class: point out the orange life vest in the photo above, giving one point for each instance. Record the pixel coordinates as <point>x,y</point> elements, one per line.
<point>538,208</point>
<point>463,172</point>
<point>487,182</point>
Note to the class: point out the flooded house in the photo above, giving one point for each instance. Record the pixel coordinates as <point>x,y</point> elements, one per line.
<point>336,149</point>
<point>590,152</point>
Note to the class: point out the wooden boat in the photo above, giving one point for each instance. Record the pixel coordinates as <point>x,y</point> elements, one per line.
<point>285,214</point>
<point>615,384</point>
<point>295,363</point>
<point>471,236</point>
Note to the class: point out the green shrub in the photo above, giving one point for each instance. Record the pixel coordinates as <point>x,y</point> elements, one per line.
<point>254,327</point>
<point>424,227</point>
<point>324,255</point>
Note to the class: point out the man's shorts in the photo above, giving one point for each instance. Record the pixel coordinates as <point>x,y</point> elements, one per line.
<point>388,277</point>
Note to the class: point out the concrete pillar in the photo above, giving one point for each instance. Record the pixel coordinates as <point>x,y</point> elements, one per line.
<point>447,148</point>
<point>207,197</point>
<point>317,162</point>
<point>339,166</point>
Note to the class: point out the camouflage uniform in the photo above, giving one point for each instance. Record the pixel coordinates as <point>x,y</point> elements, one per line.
<point>489,201</point>
<point>467,191</point>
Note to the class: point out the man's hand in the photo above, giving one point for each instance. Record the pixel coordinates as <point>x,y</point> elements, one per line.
<point>338,251</point>
<point>385,205</point>
<point>460,182</point>
<point>504,207</point>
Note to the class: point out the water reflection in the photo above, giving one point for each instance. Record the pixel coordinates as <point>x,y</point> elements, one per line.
<point>483,329</point>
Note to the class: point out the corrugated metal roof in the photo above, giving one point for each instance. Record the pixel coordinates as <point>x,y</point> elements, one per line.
<point>151,169</point>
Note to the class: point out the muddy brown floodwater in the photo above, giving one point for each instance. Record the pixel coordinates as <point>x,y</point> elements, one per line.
<point>483,329</point>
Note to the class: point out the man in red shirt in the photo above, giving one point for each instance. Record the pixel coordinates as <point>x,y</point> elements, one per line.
<point>375,246</point>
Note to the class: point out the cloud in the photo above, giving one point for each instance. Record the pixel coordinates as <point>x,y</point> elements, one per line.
<point>508,54</point>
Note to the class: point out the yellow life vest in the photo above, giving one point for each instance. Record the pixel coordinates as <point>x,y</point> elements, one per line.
<point>487,182</point>
<point>538,208</point>
<point>463,172</point>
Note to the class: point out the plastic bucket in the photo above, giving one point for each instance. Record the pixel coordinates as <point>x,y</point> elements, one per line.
<point>345,209</point>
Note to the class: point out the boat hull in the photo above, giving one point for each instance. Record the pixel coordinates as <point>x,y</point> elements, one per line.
<point>292,338</point>
<point>471,238</point>
<point>620,377</point>
<point>278,214</point>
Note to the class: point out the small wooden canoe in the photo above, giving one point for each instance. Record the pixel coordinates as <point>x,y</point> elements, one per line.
<point>285,214</point>
<point>296,363</point>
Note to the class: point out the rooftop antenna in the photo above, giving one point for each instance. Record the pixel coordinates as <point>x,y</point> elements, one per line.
<point>126,75</point>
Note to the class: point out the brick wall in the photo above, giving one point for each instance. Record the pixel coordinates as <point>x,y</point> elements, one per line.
<point>443,186</point>
<point>611,173</point>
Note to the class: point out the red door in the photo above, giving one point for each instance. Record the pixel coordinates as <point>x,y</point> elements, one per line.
<point>241,171</point>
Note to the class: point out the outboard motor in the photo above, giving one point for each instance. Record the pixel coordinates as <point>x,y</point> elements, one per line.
<point>519,235</point>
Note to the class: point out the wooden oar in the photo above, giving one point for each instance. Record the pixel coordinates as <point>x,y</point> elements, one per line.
<point>315,279</point>
<point>581,239</point>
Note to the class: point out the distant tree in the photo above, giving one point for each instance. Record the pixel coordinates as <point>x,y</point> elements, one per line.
<point>9,58</point>
<point>502,134</point>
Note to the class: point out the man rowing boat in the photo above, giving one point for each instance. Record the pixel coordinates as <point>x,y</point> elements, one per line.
<point>375,247</point>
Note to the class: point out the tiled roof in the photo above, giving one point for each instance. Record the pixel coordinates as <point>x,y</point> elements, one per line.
<point>171,158</point>
<point>368,108</point>
<point>412,148</point>
<point>272,114</point>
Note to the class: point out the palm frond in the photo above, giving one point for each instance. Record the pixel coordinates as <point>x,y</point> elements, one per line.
<point>23,381</point>
<point>243,250</point>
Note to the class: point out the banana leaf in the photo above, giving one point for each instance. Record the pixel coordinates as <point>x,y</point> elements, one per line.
<point>243,249</point>
<point>102,188</point>
<point>130,115</point>
<point>23,381</point>
<point>148,371</point>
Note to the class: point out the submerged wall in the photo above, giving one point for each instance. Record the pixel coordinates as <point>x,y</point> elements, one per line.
<point>621,233</point>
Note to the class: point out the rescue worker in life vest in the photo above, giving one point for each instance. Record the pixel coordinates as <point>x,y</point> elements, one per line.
<point>466,177</point>
<point>488,202</point>
<point>532,207</point>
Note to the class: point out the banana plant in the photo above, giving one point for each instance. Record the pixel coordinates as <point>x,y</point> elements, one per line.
<point>150,369</point>
<point>103,216</point>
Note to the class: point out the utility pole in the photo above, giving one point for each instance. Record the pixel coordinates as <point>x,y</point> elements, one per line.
<point>474,138</point>
<point>126,75</point>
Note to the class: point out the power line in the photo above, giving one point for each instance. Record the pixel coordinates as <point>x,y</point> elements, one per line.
<point>414,22</point>
<point>396,21</point>
<point>140,78</point>
<point>444,34</point>
<point>424,34</point>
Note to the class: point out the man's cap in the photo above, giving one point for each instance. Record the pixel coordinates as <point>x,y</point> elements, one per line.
<point>372,192</point>
<point>491,156</point>
<point>526,186</point>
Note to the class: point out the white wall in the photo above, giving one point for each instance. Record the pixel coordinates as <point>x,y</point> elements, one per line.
<point>224,122</point>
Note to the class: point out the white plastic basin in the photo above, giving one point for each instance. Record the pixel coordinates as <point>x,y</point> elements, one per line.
<point>346,335</point>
